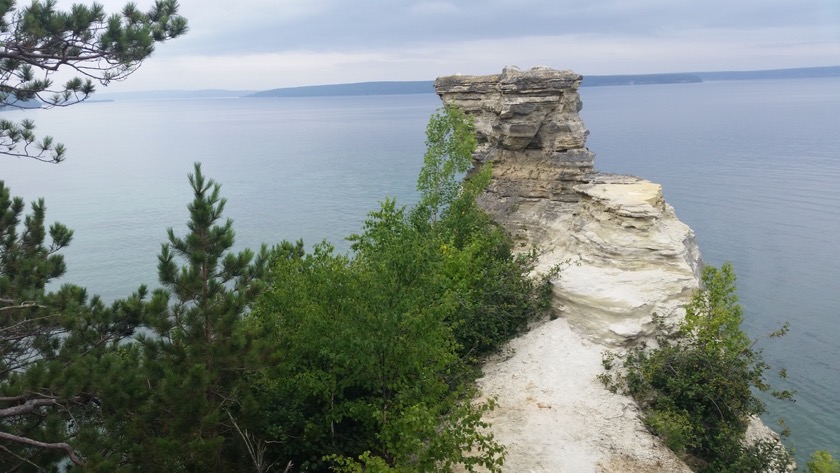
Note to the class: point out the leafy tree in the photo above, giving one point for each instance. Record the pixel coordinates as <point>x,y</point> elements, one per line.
<point>39,40</point>
<point>697,390</point>
<point>822,462</point>
<point>450,142</point>
<point>497,297</point>
<point>713,317</point>
<point>58,350</point>
<point>365,361</point>
<point>374,352</point>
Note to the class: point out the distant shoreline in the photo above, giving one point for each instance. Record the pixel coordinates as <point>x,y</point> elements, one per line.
<point>424,87</point>
<point>427,86</point>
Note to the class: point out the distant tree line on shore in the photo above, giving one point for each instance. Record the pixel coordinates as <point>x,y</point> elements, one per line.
<point>427,87</point>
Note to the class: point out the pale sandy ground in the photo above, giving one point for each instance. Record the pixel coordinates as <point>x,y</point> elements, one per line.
<point>553,414</point>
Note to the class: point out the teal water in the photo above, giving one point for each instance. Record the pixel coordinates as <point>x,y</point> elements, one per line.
<point>753,167</point>
<point>290,168</point>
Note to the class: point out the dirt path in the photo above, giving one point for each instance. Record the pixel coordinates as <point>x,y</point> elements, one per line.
<point>554,416</point>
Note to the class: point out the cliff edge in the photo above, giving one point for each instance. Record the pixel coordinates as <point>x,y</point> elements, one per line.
<point>629,257</point>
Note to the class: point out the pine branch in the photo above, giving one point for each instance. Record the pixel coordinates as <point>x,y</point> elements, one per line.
<point>27,407</point>
<point>71,453</point>
<point>22,305</point>
<point>22,460</point>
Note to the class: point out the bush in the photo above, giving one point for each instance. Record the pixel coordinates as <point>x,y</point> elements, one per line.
<point>372,355</point>
<point>822,462</point>
<point>697,388</point>
<point>674,427</point>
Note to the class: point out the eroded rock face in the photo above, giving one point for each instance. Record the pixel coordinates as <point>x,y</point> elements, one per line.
<point>528,125</point>
<point>629,257</point>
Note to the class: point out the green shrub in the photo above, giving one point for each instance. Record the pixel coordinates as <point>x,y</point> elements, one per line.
<point>822,462</point>
<point>372,355</point>
<point>674,428</point>
<point>697,389</point>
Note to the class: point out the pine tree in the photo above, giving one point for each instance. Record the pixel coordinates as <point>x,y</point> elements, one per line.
<point>38,40</point>
<point>197,353</point>
<point>63,362</point>
<point>59,350</point>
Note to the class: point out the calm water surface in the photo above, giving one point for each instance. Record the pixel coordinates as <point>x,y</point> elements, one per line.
<point>753,167</point>
<point>293,168</point>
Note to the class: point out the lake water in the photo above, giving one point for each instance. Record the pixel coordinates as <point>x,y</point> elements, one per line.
<point>753,167</point>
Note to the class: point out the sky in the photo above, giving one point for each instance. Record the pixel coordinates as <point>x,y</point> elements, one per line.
<point>266,44</point>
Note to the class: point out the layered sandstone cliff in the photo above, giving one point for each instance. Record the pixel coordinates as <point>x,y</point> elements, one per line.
<point>630,257</point>
<point>627,257</point>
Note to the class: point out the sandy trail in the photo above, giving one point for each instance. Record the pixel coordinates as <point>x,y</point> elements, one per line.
<point>553,414</point>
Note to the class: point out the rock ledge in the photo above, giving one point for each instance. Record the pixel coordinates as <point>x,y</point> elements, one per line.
<point>627,257</point>
<point>630,256</point>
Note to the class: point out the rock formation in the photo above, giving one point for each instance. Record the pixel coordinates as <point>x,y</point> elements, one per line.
<point>629,256</point>
<point>626,257</point>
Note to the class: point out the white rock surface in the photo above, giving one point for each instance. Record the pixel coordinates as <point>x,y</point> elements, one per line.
<point>555,416</point>
<point>629,255</point>
<point>626,257</point>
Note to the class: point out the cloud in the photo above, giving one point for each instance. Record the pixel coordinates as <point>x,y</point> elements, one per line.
<point>432,9</point>
<point>274,43</point>
<point>669,51</point>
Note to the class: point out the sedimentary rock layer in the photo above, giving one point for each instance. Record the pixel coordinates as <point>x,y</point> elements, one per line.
<point>627,256</point>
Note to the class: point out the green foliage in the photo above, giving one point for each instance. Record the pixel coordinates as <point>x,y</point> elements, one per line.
<point>372,353</point>
<point>365,360</point>
<point>674,427</point>
<point>822,462</point>
<point>354,347</point>
<point>65,371</point>
<point>713,317</point>
<point>450,142</point>
<point>39,40</point>
<point>435,444</point>
<point>59,351</point>
<point>697,389</point>
<point>359,362</point>
<point>198,351</point>
<point>495,294</point>
<point>26,263</point>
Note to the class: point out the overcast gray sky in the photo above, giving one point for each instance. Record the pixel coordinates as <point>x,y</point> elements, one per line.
<point>265,44</point>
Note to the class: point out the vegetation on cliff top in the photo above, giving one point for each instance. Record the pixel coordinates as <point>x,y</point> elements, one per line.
<point>697,388</point>
<point>271,358</point>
